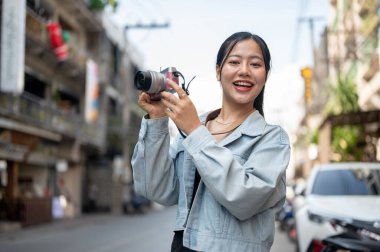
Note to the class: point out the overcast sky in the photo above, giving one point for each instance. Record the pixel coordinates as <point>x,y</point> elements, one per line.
<point>198,28</point>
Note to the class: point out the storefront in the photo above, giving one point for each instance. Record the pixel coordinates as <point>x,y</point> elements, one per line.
<point>36,184</point>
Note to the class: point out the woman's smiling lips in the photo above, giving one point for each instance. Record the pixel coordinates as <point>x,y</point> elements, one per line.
<point>243,85</point>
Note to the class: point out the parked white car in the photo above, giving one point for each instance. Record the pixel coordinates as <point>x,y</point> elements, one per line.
<point>349,190</point>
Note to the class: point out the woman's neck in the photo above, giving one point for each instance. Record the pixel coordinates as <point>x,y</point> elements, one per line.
<point>229,114</point>
<point>222,122</point>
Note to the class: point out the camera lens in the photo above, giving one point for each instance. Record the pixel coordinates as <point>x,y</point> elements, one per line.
<point>143,80</point>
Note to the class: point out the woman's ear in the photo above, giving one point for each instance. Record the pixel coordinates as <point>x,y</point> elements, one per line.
<point>217,72</point>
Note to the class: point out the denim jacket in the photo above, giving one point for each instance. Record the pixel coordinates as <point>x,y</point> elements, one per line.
<point>242,181</point>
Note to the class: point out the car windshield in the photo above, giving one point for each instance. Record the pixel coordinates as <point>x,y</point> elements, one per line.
<point>347,182</point>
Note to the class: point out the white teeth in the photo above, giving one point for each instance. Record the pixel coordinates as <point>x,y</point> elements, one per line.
<point>245,84</point>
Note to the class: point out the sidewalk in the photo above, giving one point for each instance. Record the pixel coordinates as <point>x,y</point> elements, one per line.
<point>57,225</point>
<point>7,226</point>
<point>54,226</point>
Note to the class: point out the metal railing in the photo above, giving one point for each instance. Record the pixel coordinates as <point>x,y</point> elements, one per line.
<point>32,111</point>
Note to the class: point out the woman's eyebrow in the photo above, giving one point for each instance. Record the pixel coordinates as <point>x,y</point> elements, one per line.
<point>251,57</point>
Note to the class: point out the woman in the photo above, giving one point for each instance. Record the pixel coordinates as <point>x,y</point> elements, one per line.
<point>228,175</point>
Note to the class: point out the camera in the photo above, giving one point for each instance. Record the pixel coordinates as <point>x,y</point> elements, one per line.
<point>153,82</point>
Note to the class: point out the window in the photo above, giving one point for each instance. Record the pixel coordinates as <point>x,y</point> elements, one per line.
<point>40,8</point>
<point>67,102</point>
<point>34,86</point>
<point>347,182</point>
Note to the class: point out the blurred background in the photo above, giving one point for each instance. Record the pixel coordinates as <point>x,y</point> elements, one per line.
<point>69,118</point>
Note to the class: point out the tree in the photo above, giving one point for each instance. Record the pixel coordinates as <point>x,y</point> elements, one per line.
<point>345,138</point>
<point>99,5</point>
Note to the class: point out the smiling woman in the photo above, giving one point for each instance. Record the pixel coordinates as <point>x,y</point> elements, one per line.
<point>227,174</point>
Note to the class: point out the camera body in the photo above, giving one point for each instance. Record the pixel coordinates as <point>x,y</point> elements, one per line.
<point>153,83</point>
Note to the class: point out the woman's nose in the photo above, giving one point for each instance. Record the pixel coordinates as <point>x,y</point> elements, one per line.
<point>244,69</point>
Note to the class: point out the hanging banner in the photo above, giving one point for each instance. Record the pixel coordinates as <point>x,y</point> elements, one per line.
<point>13,46</point>
<point>92,91</point>
<point>57,41</point>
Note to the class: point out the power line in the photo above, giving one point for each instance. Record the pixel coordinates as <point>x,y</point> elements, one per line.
<point>147,26</point>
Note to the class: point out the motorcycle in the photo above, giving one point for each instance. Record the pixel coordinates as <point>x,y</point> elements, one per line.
<point>285,218</point>
<point>355,235</point>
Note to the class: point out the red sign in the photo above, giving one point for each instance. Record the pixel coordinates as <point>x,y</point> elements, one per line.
<point>56,39</point>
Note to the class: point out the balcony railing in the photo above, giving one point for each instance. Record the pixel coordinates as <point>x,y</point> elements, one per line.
<point>33,111</point>
<point>38,43</point>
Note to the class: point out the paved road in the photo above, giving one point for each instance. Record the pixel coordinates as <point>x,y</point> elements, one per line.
<point>105,233</point>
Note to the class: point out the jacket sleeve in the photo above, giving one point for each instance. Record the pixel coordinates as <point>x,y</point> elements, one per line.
<point>243,189</point>
<point>153,170</point>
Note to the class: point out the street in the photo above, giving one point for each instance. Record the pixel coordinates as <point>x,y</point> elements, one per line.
<point>106,233</point>
<point>80,127</point>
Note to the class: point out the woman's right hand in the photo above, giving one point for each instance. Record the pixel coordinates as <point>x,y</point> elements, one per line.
<point>155,109</point>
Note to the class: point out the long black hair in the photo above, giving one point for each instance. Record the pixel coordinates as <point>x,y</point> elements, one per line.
<point>227,47</point>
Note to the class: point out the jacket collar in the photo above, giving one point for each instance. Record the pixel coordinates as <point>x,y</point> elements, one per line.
<point>254,125</point>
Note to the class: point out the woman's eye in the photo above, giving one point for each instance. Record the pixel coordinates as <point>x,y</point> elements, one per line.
<point>256,64</point>
<point>234,62</point>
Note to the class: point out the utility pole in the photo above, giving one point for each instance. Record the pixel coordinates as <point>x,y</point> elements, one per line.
<point>128,99</point>
<point>311,21</point>
<point>145,26</point>
<point>306,72</point>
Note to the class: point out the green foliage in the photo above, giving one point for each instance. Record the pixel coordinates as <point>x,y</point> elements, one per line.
<point>96,5</point>
<point>315,136</point>
<point>345,142</point>
<point>311,136</point>
<point>344,97</point>
<point>99,5</point>
<point>346,138</point>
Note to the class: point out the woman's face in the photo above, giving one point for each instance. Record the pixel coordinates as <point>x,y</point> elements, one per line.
<point>243,74</point>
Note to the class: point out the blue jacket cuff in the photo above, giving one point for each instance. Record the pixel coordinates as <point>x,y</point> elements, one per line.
<point>197,139</point>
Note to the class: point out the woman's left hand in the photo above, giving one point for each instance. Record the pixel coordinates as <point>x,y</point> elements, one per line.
<point>181,110</point>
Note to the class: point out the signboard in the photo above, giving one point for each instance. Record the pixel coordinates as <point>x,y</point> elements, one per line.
<point>13,46</point>
<point>92,92</point>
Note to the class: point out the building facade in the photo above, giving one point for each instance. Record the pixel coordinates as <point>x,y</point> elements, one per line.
<point>353,45</point>
<point>63,110</point>
<point>349,120</point>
